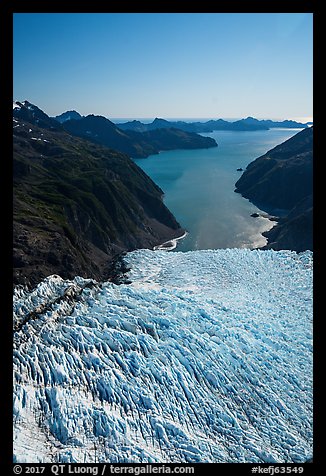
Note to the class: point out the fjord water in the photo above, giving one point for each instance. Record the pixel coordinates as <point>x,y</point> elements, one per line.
<point>199,189</point>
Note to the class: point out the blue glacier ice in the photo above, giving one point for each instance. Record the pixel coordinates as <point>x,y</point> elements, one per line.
<point>205,356</point>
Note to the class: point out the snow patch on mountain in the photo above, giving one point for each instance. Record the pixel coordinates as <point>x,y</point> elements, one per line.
<point>16,105</point>
<point>205,356</point>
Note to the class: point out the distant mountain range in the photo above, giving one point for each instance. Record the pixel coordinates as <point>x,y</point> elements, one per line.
<point>282,179</point>
<point>248,124</point>
<point>102,131</point>
<point>77,204</point>
<point>136,144</point>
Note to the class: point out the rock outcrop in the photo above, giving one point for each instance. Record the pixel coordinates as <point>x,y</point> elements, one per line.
<point>281,182</point>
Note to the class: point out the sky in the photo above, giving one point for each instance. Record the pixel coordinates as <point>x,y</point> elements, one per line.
<point>169,65</point>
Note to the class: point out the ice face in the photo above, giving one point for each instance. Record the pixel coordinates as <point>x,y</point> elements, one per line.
<point>205,357</point>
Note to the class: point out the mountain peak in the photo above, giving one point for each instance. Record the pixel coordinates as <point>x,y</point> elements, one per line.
<point>66,116</point>
<point>27,103</point>
<point>27,111</point>
<point>159,119</point>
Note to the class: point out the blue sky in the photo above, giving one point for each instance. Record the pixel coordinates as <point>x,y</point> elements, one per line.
<point>166,65</point>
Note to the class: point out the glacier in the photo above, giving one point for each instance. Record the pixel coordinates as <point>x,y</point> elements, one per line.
<point>202,356</point>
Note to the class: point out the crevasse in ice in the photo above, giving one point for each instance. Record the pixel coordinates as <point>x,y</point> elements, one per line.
<point>206,356</point>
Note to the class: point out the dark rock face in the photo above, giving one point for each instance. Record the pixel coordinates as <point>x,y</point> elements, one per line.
<point>135,143</point>
<point>295,230</point>
<point>282,179</point>
<point>78,205</point>
<point>66,116</point>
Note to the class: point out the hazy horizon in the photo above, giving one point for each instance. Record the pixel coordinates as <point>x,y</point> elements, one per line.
<point>169,65</point>
<point>200,119</point>
<point>303,119</point>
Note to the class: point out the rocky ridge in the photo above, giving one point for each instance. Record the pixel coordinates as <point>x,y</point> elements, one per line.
<point>77,205</point>
<point>281,183</point>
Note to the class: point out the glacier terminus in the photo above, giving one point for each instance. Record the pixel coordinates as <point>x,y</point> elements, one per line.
<point>201,356</point>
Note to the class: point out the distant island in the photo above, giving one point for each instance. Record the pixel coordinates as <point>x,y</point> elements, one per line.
<point>280,182</point>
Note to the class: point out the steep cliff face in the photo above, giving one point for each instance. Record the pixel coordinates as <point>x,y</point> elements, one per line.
<point>282,179</point>
<point>295,230</point>
<point>77,205</point>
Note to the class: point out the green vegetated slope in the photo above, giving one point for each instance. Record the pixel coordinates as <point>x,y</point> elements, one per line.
<point>78,204</point>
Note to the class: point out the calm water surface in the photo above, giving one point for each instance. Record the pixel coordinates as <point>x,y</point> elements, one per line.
<point>199,189</point>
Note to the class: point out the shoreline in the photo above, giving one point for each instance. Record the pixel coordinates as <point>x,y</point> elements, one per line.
<point>170,244</point>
